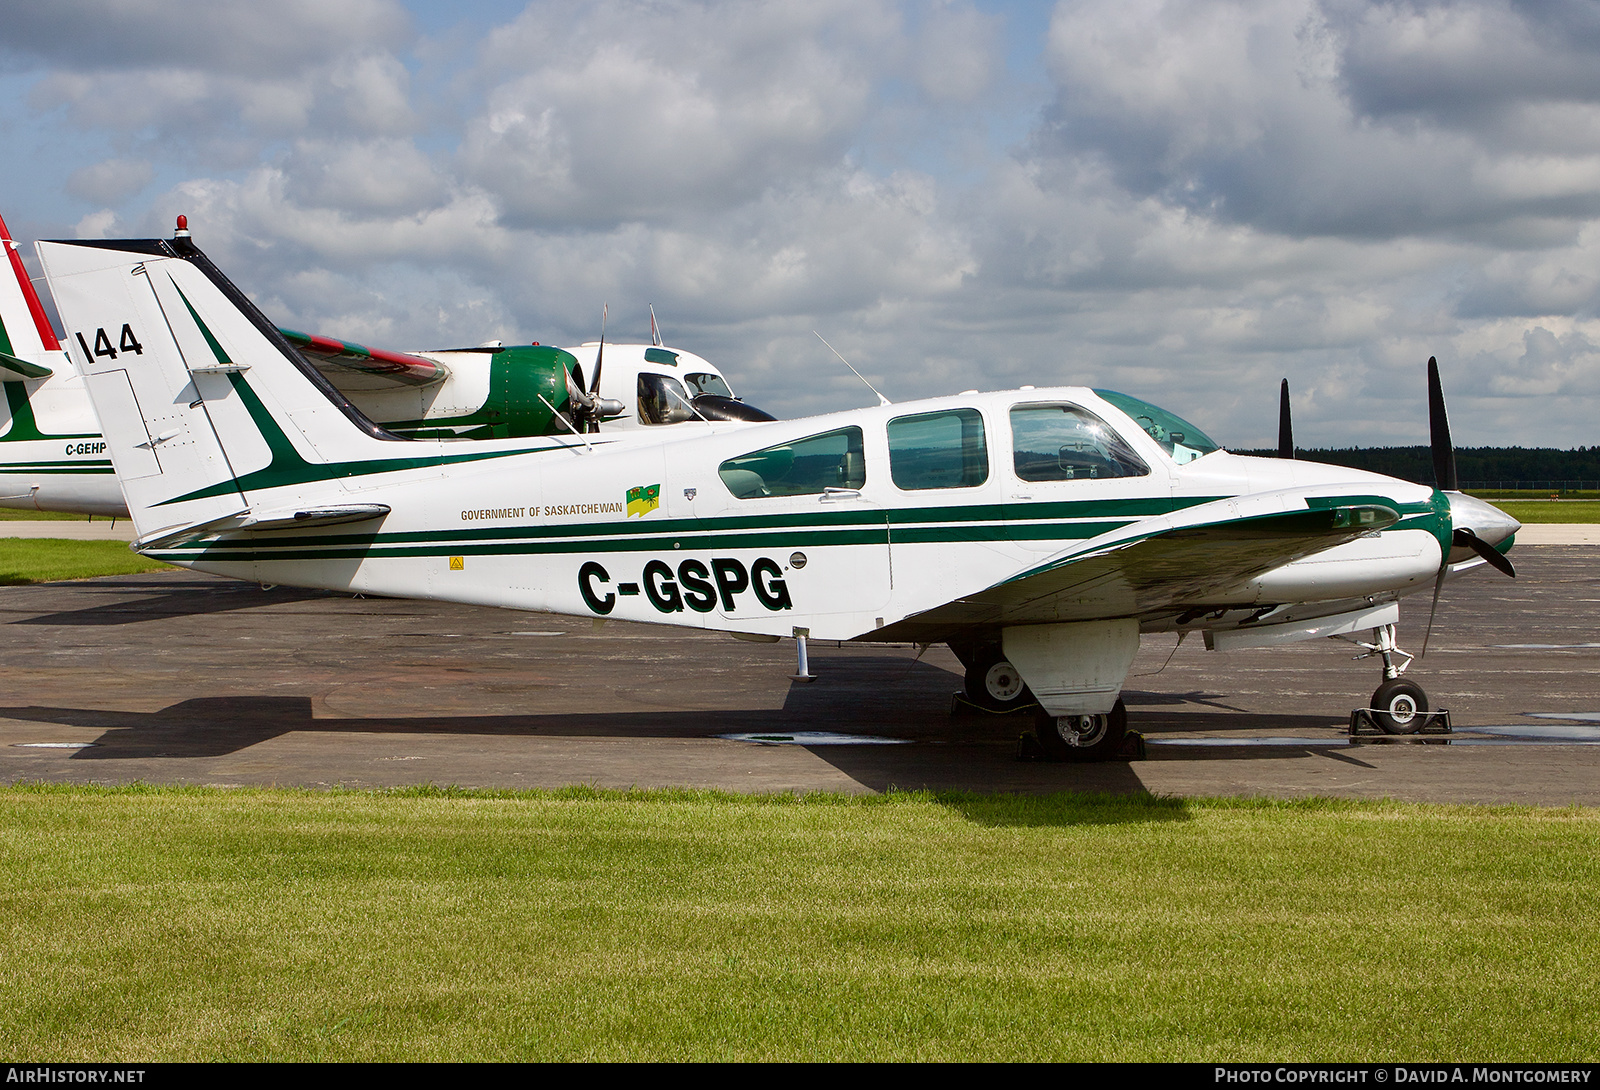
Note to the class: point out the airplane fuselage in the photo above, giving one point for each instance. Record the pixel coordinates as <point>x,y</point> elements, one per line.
<point>657,531</point>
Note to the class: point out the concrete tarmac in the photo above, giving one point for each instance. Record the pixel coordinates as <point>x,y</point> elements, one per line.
<point>174,677</point>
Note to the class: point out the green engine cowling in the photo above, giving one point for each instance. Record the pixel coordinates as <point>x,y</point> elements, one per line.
<point>519,375</point>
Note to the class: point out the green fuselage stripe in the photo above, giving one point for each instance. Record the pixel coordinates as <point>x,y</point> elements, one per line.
<point>1075,523</point>
<point>1011,518</point>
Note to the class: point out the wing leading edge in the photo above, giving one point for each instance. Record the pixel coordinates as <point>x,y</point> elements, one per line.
<point>1155,567</point>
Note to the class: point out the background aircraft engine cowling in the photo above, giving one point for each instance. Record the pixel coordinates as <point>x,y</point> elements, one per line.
<point>519,377</point>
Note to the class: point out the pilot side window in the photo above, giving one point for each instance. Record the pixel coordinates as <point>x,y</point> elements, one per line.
<point>938,450</point>
<point>662,400</point>
<point>804,467</point>
<point>1066,443</point>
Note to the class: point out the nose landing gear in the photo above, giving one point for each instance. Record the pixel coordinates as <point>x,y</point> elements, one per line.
<point>1399,706</point>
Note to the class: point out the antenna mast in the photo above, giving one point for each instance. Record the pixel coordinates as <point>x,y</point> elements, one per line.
<point>881,399</point>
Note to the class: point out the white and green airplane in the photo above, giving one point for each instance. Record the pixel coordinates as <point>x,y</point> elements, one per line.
<point>1039,532</point>
<point>53,457</point>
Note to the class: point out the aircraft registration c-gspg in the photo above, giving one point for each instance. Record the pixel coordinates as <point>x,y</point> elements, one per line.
<point>1039,532</point>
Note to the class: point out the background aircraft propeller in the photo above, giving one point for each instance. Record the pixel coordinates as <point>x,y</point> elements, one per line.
<point>589,408</point>
<point>1285,426</point>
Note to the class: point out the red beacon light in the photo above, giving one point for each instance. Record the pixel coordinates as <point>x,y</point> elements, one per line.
<point>183,228</point>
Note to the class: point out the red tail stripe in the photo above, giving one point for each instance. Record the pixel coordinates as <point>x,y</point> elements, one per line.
<point>36,308</point>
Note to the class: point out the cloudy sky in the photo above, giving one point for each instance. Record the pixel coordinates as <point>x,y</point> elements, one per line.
<point>1186,201</point>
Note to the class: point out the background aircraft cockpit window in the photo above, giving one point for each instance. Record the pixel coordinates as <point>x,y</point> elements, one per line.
<point>938,450</point>
<point>662,400</point>
<point>1066,443</point>
<point>1177,436</point>
<point>705,383</point>
<point>804,467</point>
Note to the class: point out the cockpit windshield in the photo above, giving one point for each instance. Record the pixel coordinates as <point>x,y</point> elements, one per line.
<point>1179,438</point>
<point>703,382</point>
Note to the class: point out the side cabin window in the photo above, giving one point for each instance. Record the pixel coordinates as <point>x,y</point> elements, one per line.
<point>1066,443</point>
<point>662,400</point>
<point>803,467</point>
<point>938,450</point>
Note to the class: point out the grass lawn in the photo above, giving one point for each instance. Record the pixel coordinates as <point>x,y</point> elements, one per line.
<point>41,560</point>
<point>1529,511</point>
<point>18,514</point>
<point>147,924</point>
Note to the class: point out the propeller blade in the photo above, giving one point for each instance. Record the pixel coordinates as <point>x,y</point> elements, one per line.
<point>1438,585</point>
<point>1285,428</point>
<point>600,353</point>
<point>1497,559</point>
<point>1444,454</point>
<point>592,424</point>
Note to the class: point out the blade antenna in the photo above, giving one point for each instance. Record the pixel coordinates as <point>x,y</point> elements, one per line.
<point>1285,427</point>
<point>881,399</point>
<point>655,330</point>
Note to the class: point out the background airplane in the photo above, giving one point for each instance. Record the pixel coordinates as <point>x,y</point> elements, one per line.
<point>1046,529</point>
<point>53,457</point>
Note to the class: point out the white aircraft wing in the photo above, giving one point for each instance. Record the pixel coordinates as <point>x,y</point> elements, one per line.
<point>1154,567</point>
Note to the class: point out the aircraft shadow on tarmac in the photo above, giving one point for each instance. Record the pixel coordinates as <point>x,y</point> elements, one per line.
<point>858,695</point>
<point>136,601</point>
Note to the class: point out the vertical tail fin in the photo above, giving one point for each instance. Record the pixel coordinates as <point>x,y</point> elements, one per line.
<point>208,410</point>
<point>28,345</point>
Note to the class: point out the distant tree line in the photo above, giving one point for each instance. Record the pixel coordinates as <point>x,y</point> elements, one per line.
<point>1472,463</point>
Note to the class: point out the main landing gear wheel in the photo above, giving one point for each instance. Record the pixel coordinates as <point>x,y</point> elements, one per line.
<point>1082,737</point>
<point>1398,706</point>
<point>994,683</point>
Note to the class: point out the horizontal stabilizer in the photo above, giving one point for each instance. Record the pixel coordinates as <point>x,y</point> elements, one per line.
<point>258,521</point>
<point>332,356</point>
<point>329,515</point>
<point>15,370</point>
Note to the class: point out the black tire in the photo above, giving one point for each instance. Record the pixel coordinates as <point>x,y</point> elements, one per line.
<point>995,684</point>
<point>1061,740</point>
<point>1398,705</point>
